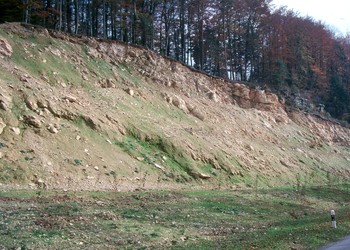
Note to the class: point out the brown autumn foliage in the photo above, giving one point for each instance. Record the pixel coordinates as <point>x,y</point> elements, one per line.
<point>245,40</point>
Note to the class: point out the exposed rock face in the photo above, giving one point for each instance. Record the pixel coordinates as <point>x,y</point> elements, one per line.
<point>5,48</point>
<point>180,103</point>
<point>33,120</point>
<point>185,106</point>
<point>324,129</point>
<point>216,137</point>
<point>254,98</point>
<point>195,112</point>
<point>4,101</point>
<point>93,53</point>
<point>112,49</point>
<point>178,76</point>
<point>241,91</point>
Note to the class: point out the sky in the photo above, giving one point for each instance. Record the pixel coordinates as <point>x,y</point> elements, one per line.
<point>335,13</point>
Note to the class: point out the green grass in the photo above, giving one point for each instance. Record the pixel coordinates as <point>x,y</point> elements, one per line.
<point>55,67</point>
<point>126,73</point>
<point>7,77</point>
<point>12,173</point>
<point>154,149</point>
<point>18,107</point>
<point>271,219</point>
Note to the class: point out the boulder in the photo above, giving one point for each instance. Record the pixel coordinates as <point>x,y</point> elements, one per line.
<point>93,53</point>
<point>196,113</point>
<point>272,99</point>
<point>15,130</point>
<point>40,184</point>
<point>106,83</point>
<point>70,98</point>
<point>203,176</point>
<point>240,90</point>
<point>3,105</point>
<point>32,120</point>
<point>55,52</point>
<point>159,166</point>
<point>91,122</point>
<point>281,119</point>
<point>52,129</point>
<point>110,83</point>
<point>4,101</point>
<point>31,103</point>
<point>284,163</point>
<point>24,78</point>
<point>42,104</point>
<point>258,96</point>
<point>2,125</point>
<point>5,48</point>
<point>130,91</point>
<point>132,53</point>
<point>179,103</point>
<point>167,98</point>
<point>213,96</point>
<point>54,109</point>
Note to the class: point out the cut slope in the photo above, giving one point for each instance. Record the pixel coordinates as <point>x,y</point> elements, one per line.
<point>80,113</point>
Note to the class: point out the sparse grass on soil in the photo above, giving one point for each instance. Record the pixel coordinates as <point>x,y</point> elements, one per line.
<point>282,218</point>
<point>157,150</point>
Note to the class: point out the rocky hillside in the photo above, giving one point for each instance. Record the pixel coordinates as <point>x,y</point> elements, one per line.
<point>81,113</point>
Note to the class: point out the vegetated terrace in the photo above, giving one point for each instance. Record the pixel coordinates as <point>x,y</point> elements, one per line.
<point>284,218</point>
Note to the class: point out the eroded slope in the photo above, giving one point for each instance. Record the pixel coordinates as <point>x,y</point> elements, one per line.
<point>78,113</point>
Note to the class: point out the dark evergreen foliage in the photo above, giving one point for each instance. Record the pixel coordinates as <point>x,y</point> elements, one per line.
<point>10,11</point>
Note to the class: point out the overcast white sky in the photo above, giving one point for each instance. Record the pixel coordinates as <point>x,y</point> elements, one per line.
<point>334,13</point>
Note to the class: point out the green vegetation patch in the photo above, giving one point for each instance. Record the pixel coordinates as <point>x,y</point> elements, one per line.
<point>159,152</point>
<point>9,174</point>
<point>280,218</point>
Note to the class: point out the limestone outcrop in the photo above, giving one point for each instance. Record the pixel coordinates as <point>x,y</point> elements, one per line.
<point>5,48</point>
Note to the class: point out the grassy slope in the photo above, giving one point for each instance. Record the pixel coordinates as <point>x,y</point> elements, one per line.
<point>236,147</point>
<point>262,219</point>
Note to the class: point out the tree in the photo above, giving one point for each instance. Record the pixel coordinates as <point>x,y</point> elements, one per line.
<point>10,11</point>
<point>242,40</point>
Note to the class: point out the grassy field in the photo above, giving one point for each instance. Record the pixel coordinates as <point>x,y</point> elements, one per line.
<point>205,219</point>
